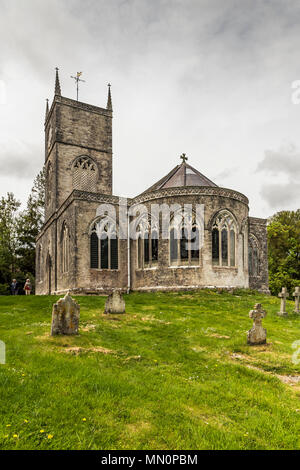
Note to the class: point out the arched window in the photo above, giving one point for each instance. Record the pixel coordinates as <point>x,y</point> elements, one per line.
<point>184,242</point>
<point>48,185</point>
<point>49,272</point>
<point>39,263</point>
<point>85,174</point>
<point>224,240</point>
<point>104,246</point>
<point>147,244</point>
<point>65,248</point>
<point>253,253</point>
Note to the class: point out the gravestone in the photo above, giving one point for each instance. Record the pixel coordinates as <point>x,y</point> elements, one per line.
<point>257,334</point>
<point>2,352</point>
<point>115,303</point>
<point>65,317</point>
<point>296,294</point>
<point>283,295</point>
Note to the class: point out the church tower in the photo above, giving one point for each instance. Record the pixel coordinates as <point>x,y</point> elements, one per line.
<point>78,149</point>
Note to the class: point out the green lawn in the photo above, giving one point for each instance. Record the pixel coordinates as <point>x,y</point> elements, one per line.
<point>174,372</point>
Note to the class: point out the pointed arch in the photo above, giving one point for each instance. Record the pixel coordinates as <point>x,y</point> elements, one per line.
<point>85,174</point>
<point>48,185</point>
<point>104,244</point>
<point>65,248</point>
<point>49,272</point>
<point>39,262</point>
<point>147,241</point>
<point>224,230</point>
<point>253,256</point>
<point>184,239</point>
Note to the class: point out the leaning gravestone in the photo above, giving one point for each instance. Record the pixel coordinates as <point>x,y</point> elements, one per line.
<point>257,334</point>
<point>65,317</point>
<point>283,295</point>
<point>296,294</point>
<point>115,303</point>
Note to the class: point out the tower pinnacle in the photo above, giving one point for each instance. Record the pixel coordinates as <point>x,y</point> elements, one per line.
<point>57,84</point>
<point>47,109</point>
<point>109,102</point>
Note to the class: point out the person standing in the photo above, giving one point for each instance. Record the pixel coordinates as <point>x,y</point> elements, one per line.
<point>14,287</point>
<point>27,287</point>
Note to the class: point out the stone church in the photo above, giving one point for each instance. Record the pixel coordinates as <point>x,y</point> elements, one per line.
<point>78,250</point>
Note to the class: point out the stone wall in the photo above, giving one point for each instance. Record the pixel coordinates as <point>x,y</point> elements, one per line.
<point>258,228</point>
<point>72,130</point>
<point>96,281</point>
<point>166,277</point>
<point>79,212</point>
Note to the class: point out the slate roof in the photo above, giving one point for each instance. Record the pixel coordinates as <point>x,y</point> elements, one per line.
<point>182,175</point>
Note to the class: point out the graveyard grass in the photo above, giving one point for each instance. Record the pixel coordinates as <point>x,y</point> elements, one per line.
<point>174,372</point>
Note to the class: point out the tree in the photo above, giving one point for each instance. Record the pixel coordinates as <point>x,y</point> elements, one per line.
<point>284,250</point>
<point>8,238</point>
<point>29,224</point>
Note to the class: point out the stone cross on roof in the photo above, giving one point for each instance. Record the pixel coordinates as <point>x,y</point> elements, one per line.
<point>183,157</point>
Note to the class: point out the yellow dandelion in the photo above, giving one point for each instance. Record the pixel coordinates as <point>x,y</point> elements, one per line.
<point>83,419</point>
<point>25,420</point>
<point>50,436</point>
<point>41,431</point>
<point>8,425</point>
<point>15,436</point>
<point>23,375</point>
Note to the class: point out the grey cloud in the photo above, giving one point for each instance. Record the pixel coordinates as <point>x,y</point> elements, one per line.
<point>226,173</point>
<point>285,161</point>
<point>281,195</point>
<point>187,75</point>
<point>19,164</point>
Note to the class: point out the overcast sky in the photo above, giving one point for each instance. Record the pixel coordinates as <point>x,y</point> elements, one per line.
<point>211,78</point>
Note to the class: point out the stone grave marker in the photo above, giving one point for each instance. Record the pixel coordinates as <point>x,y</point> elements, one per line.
<point>296,294</point>
<point>283,295</point>
<point>65,317</point>
<point>257,334</point>
<point>115,303</point>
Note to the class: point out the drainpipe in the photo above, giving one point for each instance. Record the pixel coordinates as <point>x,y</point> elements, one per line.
<point>128,254</point>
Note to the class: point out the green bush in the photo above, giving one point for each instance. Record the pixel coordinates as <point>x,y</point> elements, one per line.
<point>282,279</point>
<point>4,289</point>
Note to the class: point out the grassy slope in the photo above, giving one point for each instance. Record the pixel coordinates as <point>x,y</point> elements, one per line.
<point>176,376</point>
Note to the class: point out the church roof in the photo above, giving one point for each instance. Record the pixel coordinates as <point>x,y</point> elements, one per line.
<point>182,175</point>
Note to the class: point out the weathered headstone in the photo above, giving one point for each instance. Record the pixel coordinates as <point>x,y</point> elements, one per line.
<point>65,317</point>
<point>115,303</point>
<point>283,295</point>
<point>2,352</point>
<point>257,334</point>
<point>296,294</point>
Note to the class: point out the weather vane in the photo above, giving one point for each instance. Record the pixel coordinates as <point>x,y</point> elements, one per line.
<point>77,80</point>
